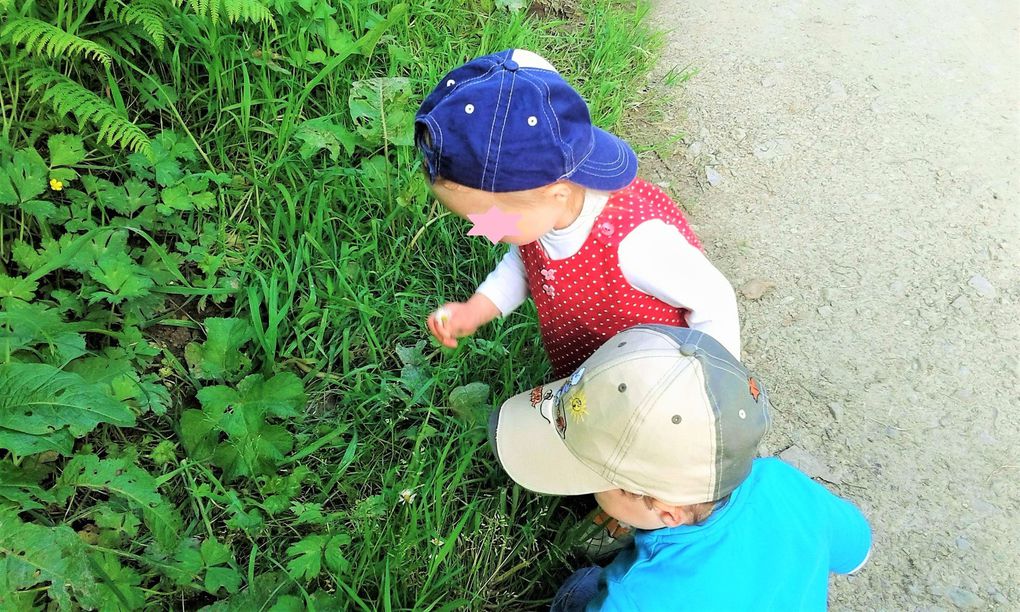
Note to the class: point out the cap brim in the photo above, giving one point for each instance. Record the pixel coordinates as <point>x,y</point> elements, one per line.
<point>610,166</point>
<point>533,453</point>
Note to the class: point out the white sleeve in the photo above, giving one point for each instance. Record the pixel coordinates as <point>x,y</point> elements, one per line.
<point>507,285</point>
<point>656,259</point>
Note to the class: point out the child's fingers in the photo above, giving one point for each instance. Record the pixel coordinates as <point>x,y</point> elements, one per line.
<point>437,324</point>
<point>442,317</point>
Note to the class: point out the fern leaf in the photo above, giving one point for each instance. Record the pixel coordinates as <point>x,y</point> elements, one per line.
<point>45,39</point>
<point>68,97</point>
<point>253,11</point>
<point>146,13</point>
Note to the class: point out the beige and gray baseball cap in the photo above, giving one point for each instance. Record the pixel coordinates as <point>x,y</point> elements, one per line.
<point>658,410</point>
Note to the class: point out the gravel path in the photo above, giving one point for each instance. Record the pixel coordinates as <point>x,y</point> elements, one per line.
<point>853,166</point>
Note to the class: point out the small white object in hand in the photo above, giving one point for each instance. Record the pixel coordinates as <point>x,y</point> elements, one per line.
<point>443,316</point>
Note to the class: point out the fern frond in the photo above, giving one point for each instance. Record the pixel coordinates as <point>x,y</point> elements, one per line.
<point>127,39</point>
<point>146,13</point>
<point>45,39</point>
<point>253,11</point>
<point>67,96</point>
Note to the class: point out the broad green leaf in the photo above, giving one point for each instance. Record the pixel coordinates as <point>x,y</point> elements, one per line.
<point>336,37</point>
<point>470,401</point>
<point>307,513</point>
<point>186,564</point>
<point>23,177</point>
<point>114,372</point>
<point>64,175</point>
<point>49,558</point>
<point>115,526</point>
<point>282,395</point>
<point>514,6</point>
<point>412,355</point>
<point>24,325</point>
<point>253,448</point>
<point>40,209</point>
<point>119,589</point>
<point>17,287</point>
<point>381,110</point>
<point>41,401</point>
<point>138,195</point>
<point>181,198</point>
<point>306,557</point>
<point>125,199</point>
<point>167,151</point>
<point>316,56</point>
<point>123,278</point>
<point>375,172</point>
<point>220,356</point>
<point>222,577</point>
<point>65,150</point>
<point>257,595</point>
<point>334,553</point>
<point>20,485</point>
<point>119,478</point>
<point>214,553</point>
<point>321,133</point>
<point>199,434</point>
<point>370,508</point>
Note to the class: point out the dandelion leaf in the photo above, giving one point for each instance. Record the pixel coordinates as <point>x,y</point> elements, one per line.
<point>42,406</point>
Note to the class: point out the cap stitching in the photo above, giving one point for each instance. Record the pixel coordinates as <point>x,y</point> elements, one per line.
<point>629,434</point>
<point>621,158</point>
<point>720,445</point>
<point>506,118</point>
<point>492,129</point>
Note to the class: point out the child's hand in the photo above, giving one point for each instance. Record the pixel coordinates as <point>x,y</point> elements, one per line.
<point>454,320</point>
<point>459,319</point>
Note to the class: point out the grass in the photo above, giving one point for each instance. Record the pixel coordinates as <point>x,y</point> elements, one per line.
<point>337,262</point>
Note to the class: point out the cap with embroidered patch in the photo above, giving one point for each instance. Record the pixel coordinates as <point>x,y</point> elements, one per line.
<point>509,122</point>
<point>657,410</point>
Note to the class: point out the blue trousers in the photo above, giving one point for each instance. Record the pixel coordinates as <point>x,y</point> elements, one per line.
<point>577,590</point>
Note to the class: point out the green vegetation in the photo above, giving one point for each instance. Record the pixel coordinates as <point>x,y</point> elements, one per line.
<point>216,258</point>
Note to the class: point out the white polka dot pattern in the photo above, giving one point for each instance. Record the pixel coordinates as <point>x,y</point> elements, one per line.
<point>584,300</point>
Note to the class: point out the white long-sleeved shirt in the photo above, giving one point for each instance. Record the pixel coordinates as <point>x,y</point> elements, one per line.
<point>655,259</point>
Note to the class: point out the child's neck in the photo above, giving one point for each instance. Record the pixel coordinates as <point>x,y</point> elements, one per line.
<point>572,208</point>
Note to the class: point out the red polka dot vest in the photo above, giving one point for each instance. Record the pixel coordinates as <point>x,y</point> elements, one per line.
<point>584,300</point>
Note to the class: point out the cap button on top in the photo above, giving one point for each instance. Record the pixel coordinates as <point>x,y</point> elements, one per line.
<point>688,349</point>
<point>510,65</point>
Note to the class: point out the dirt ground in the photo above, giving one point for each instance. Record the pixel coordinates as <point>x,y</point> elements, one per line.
<point>859,160</point>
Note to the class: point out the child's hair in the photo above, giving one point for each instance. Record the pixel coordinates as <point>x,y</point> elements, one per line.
<point>699,513</point>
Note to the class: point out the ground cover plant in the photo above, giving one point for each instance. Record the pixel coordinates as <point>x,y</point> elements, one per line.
<point>216,257</point>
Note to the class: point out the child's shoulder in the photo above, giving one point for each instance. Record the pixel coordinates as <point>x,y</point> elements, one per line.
<point>773,477</point>
<point>641,189</point>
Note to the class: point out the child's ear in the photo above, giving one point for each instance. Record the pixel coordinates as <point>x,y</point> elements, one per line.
<point>561,191</point>
<point>671,516</point>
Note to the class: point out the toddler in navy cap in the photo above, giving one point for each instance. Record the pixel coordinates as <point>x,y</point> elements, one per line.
<point>597,249</point>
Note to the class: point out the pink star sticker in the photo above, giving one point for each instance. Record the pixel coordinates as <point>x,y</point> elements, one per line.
<point>494,224</point>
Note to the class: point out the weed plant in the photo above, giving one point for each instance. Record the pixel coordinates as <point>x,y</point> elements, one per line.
<point>216,257</point>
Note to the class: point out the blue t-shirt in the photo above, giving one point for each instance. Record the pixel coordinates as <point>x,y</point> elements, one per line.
<point>771,547</point>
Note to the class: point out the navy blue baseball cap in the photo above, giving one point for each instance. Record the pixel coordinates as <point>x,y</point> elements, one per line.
<point>509,122</point>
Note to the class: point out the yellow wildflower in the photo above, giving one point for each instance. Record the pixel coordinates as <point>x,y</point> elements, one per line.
<point>56,185</point>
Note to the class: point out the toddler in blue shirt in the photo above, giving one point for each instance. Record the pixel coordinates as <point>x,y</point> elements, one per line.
<point>662,424</point>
